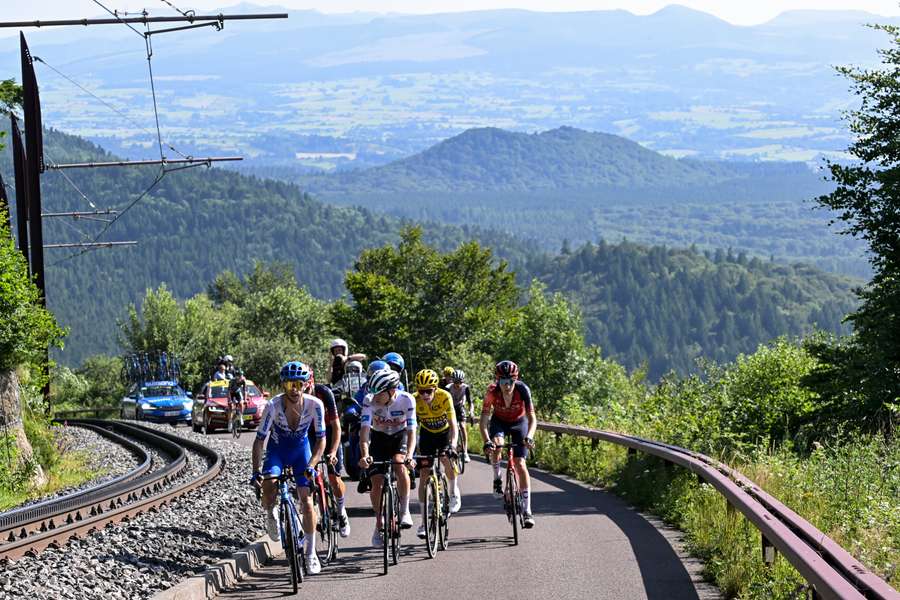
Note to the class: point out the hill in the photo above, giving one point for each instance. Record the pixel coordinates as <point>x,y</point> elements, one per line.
<point>578,186</point>
<point>198,222</point>
<point>664,308</point>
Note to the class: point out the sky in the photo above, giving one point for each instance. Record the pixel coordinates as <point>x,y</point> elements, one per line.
<point>739,12</point>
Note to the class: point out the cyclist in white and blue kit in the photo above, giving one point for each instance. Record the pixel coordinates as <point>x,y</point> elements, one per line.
<point>285,422</point>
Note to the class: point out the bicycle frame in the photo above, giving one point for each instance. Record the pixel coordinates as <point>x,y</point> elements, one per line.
<point>291,527</point>
<point>390,511</point>
<point>441,508</point>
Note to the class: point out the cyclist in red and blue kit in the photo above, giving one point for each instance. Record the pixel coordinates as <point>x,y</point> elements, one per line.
<point>508,412</point>
<point>334,451</point>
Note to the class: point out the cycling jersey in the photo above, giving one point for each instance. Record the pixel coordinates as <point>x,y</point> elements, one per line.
<point>435,416</point>
<point>397,415</point>
<point>518,407</point>
<point>274,421</point>
<point>462,399</point>
<point>324,393</point>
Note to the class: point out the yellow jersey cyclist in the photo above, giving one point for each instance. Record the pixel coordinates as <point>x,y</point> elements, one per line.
<point>437,431</point>
<point>464,407</point>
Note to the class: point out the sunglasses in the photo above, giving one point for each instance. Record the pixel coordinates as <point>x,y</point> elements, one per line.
<point>507,381</point>
<point>293,385</point>
<point>426,391</point>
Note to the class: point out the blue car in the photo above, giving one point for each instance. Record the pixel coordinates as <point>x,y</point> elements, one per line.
<point>158,402</point>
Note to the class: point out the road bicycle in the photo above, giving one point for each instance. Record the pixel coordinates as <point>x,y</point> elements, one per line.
<point>512,494</point>
<point>390,513</point>
<point>437,504</point>
<point>290,527</point>
<point>327,514</point>
<point>236,420</point>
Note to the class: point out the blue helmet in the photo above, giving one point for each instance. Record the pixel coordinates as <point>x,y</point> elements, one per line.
<point>394,359</point>
<point>295,371</point>
<point>376,365</point>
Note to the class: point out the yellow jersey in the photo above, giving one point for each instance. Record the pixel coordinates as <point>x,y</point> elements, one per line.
<point>436,416</point>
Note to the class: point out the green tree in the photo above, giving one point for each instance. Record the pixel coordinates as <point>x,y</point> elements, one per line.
<point>155,327</point>
<point>867,199</point>
<point>10,99</point>
<point>416,300</point>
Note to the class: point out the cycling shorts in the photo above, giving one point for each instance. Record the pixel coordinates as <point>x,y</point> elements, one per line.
<point>383,446</point>
<point>461,413</point>
<point>431,443</point>
<point>279,457</point>
<point>514,432</point>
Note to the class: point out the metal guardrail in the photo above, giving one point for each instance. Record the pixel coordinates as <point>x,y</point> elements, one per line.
<point>77,413</point>
<point>830,570</point>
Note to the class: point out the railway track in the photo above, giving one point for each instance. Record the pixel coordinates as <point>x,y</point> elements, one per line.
<point>30,529</point>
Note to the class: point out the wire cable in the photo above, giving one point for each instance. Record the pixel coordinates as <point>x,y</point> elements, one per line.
<point>189,15</point>
<point>116,15</point>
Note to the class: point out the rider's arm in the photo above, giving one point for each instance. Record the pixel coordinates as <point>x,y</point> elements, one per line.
<point>411,427</point>
<point>485,417</point>
<point>262,432</point>
<point>256,455</point>
<point>454,426</point>
<point>332,418</point>
<point>525,391</point>
<point>365,426</point>
<point>318,425</point>
<point>357,356</point>
<point>470,404</point>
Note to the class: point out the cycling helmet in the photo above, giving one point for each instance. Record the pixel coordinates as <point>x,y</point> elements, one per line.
<point>238,372</point>
<point>354,366</point>
<point>458,376</point>
<point>376,365</point>
<point>506,369</point>
<point>393,359</point>
<point>426,378</point>
<point>228,358</point>
<point>295,371</point>
<point>385,379</point>
<point>338,343</point>
<point>448,371</point>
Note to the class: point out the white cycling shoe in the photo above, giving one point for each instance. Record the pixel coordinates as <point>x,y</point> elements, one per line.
<point>272,527</point>
<point>313,567</point>
<point>406,520</point>
<point>344,520</point>
<point>466,458</point>
<point>377,541</point>
<point>455,504</point>
<point>420,532</point>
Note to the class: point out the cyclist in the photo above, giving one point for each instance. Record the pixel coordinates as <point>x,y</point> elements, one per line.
<point>438,431</point>
<point>375,365</point>
<point>464,407</point>
<point>395,361</point>
<point>285,423</point>
<point>334,451</point>
<point>387,432</point>
<point>229,366</point>
<point>508,412</point>
<point>446,378</point>
<point>237,389</point>
<point>340,356</point>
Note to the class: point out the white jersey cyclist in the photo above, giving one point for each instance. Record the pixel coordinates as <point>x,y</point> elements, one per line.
<point>274,421</point>
<point>392,418</point>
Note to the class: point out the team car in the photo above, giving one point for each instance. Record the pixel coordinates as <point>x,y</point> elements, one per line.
<point>210,408</point>
<point>157,401</point>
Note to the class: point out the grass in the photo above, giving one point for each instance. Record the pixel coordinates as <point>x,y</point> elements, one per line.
<point>70,470</point>
<point>851,492</point>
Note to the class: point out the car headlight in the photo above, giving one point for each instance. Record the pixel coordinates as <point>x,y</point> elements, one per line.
<point>146,406</point>
<point>188,404</point>
<point>216,409</point>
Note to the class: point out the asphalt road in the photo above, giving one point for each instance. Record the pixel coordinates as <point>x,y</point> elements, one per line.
<point>585,544</point>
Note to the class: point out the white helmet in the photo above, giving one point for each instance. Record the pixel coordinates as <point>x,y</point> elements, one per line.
<point>338,343</point>
<point>228,358</point>
<point>354,366</point>
<point>385,379</point>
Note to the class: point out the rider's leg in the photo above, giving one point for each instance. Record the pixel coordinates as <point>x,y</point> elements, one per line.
<point>424,474</point>
<point>375,496</point>
<point>402,475</point>
<point>309,518</point>
<point>269,488</point>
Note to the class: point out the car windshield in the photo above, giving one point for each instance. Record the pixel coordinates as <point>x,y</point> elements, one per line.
<point>252,390</point>
<point>159,390</point>
<point>218,391</point>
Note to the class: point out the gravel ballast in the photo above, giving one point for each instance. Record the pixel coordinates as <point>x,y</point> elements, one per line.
<point>155,550</point>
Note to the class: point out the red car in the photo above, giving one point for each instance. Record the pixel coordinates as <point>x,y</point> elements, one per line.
<point>210,410</point>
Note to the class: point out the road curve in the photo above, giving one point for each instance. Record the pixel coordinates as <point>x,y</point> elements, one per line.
<point>586,544</point>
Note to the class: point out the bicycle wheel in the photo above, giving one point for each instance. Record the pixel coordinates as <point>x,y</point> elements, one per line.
<point>460,463</point>
<point>325,531</point>
<point>289,543</point>
<point>512,498</point>
<point>444,515</point>
<point>432,517</point>
<point>395,528</point>
<point>236,422</point>
<point>387,518</point>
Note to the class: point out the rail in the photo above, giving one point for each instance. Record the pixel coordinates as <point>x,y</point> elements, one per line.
<point>33,528</point>
<point>829,569</point>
